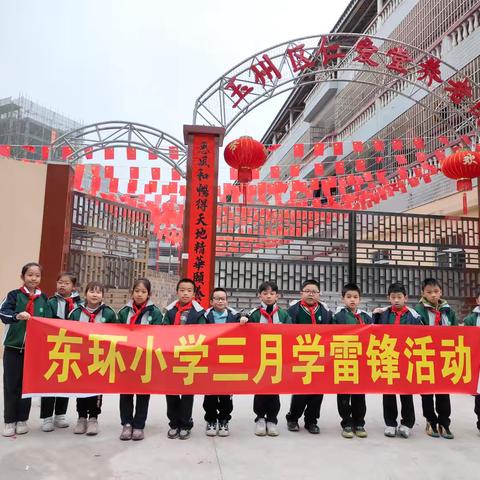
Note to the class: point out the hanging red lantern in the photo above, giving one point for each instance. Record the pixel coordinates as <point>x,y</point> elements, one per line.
<point>245,154</point>
<point>462,166</point>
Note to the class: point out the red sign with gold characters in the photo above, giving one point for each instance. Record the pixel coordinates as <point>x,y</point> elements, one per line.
<point>69,357</point>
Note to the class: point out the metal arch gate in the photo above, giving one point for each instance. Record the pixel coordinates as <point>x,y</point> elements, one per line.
<point>290,244</point>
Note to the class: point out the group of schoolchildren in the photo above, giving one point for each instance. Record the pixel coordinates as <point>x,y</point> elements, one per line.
<point>28,301</point>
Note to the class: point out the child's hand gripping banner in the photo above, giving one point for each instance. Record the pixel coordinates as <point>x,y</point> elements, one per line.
<point>67,357</point>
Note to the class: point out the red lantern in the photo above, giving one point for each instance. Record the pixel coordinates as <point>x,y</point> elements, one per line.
<point>462,166</point>
<point>245,154</point>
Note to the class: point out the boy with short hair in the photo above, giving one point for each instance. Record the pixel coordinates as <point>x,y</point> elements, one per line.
<point>397,314</point>
<point>184,311</point>
<point>218,408</point>
<point>435,311</point>
<point>352,407</point>
<point>309,310</point>
<point>266,407</point>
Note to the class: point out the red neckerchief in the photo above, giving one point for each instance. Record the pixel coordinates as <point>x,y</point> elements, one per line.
<point>31,299</point>
<point>359,318</point>
<point>438,316</point>
<point>269,316</point>
<point>398,314</point>
<point>91,316</point>
<point>311,309</point>
<point>70,302</point>
<point>137,311</point>
<point>180,310</point>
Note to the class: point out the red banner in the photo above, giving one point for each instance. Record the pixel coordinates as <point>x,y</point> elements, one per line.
<point>68,357</point>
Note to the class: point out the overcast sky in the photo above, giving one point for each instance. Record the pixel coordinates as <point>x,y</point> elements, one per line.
<point>144,61</point>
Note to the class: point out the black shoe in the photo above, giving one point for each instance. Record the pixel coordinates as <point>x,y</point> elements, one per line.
<point>173,433</point>
<point>313,428</point>
<point>431,430</point>
<point>184,434</point>
<point>293,426</point>
<point>445,432</point>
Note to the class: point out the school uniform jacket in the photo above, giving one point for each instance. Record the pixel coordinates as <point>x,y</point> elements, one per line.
<point>150,315</point>
<point>299,315</point>
<point>280,316</point>
<point>15,302</point>
<point>387,317</point>
<point>473,320</point>
<point>195,315</point>
<point>344,316</point>
<point>59,305</point>
<point>105,314</point>
<point>427,314</point>
<point>232,316</point>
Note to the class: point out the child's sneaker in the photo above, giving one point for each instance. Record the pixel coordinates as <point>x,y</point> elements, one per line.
<point>313,428</point>
<point>272,430</point>
<point>126,432</point>
<point>360,432</point>
<point>81,426</point>
<point>60,421</point>
<point>172,433</point>
<point>347,432</point>
<point>404,431</point>
<point>9,430</point>
<point>260,427</point>
<point>137,434</point>
<point>184,434</point>
<point>445,432</point>
<point>223,429</point>
<point>293,426</point>
<point>21,428</point>
<point>431,430</point>
<point>47,425</point>
<point>390,432</point>
<point>92,426</point>
<point>211,429</point>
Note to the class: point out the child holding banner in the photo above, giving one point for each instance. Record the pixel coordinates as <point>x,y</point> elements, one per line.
<point>184,311</point>
<point>309,310</point>
<point>140,310</point>
<point>397,314</point>
<point>66,298</point>
<point>435,311</point>
<point>15,310</point>
<point>266,407</point>
<point>352,407</point>
<point>92,311</point>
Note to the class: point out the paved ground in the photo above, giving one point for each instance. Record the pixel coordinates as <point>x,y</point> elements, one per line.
<point>62,455</point>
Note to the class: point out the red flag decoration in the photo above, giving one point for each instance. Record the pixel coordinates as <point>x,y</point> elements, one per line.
<point>155,172</point>
<point>440,154</point>
<point>172,187</point>
<point>419,143</point>
<point>255,174</point>
<point>421,156</point>
<point>45,152</point>
<point>109,172</point>
<point>378,145</point>
<point>298,150</point>
<point>131,153</point>
<point>77,180</point>
<point>318,149</point>
<point>95,169</point>
<point>357,147</point>
<point>381,176</point>
<point>152,155</point>
<point>113,187</point>
<point>273,147</point>
<point>360,165</point>
<point>401,159</point>
<point>88,153</point>
<point>397,144</point>
<point>318,169</point>
<point>466,140</point>
<point>5,150</point>
<point>29,148</point>
<point>368,177</point>
<point>294,170</point>
<point>402,173</point>
<point>132,186</point>
<point>134,173</point>
<point>173,153</point>
<point>183,190</point>
<point>444,140</point>
<point>233,173</point>
<point>66,152</point>
<point>338,148</point>
<point>175,174</point>
<point>378,160</point>
<point>146,189</point>
<point>274,171</point>
<point>95,184</point>
<point>414,182</point>
<point>109,153</point>
<point>340,168</point>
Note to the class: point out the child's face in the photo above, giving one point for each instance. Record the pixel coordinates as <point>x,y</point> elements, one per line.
<point>140,294</point>
<point>269,297</point>
<point>185,292</point>
<point>32,277</point>
<point>432,294</point>
<point>65,286</point>
<point>94,298</point>
<point>351,300</point>
<point>311,295</point>
<point>398,299</point>
<point>219,301</point>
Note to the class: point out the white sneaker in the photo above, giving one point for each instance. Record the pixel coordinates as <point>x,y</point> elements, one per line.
<point>390,431</point>
<point>21,428</point>
<point>9,430</point>
<point>404,431</point>
<point>223,429</point>
<point>47,425</point>
<point>60,421</point>
<point>211,429</point>
<point>260,427</point>
<point>272,429</point>
<point>92,426</point>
